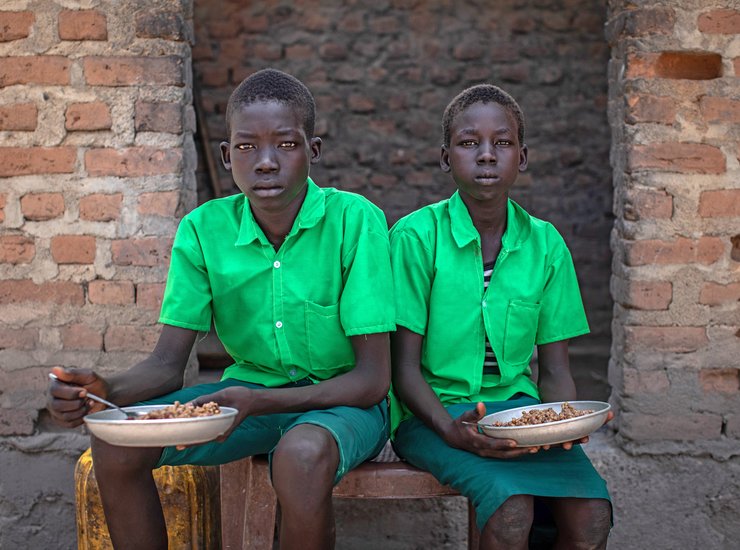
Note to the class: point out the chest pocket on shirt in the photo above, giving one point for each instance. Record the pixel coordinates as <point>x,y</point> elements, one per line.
<point>329,349</point>
<point>520,331</point>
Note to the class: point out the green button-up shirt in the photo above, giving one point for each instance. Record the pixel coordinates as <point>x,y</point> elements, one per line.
<point>283,315</point>
<point>532,298</point>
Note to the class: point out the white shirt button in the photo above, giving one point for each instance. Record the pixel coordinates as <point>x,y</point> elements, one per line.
<point>484,304</point>
<point>279,324</point>
<point>291,372</point>
<point>276,264</point>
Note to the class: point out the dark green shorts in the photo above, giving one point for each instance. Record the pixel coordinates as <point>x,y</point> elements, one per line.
<point>360,433</point>
<point>488,482</point>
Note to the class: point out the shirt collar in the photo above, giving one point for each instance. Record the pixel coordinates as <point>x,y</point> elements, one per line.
<point>464,232</point>
<point>311,212</point>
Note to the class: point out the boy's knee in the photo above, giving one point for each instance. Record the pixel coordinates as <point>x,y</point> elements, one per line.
<point>110,459</point>
<point>596,523</point>
<point>510,524</point>
<point>306,450</point>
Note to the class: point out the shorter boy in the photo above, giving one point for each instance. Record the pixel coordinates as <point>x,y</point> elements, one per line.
<point>297,281</point>
<point>479,282</point>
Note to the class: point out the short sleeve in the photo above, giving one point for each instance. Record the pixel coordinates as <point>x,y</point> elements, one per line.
<point>366,303</point>
<point>412,280</point>
<point>187,296</point>
<point>561,309</point>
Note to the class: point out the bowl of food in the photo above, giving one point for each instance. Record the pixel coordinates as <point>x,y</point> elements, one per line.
<point>546,423</point>
<point>161,425</point>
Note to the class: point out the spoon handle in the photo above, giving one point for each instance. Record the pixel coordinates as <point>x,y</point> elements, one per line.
<point>95,397</point>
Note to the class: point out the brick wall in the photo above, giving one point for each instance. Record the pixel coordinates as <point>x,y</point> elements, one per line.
<point>96,167</point>
<point>675,115</point>
<point>382,74</point>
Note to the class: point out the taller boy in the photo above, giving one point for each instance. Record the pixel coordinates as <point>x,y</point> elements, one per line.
<point>297,281</point>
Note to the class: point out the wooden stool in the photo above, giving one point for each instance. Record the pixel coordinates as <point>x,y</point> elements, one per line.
<point>249,504</point>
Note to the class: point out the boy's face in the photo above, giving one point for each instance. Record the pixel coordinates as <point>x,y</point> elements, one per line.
<point>484,156</point>
<point>269,154</point>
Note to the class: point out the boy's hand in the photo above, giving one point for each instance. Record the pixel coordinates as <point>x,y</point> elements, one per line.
<point>239,398</point>
<point>66,396</point>
<point>462,435</point>
<point>568,445</point>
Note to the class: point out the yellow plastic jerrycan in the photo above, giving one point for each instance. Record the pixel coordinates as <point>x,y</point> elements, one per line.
<point>190,501</point>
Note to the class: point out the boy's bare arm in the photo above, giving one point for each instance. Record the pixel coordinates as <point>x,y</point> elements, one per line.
<point>364,386</point>
<point>418,396</point>
<point>555,379</point>
<point>161,372</point>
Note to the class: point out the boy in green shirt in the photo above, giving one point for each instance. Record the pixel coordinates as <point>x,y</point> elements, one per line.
<point>479,283</point>
<point>297,281</point>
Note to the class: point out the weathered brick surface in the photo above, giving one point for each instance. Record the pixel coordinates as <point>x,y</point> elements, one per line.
<point>133,161</point>
<point>82,25</point>
<point>80,336</point>
<point>101,207</point>
<point>132,71</point>
<point>147,251</point>
<point>50,69</point>
<point>20,291</point>
<point>88,116</point>
<point>17,421</point>
<point>686,158</point>
<point>23,338</point>
<point>163,203</point>
<point>42,206</point>
<point>693,426</point>
<point>111,292</point>
<point>169,26</point>
<point>149,295</point>
<point>73,249</point>
<point>665,339</point>
<point>648,295</point>
<point>720,21</point>
<point>720,109</point>
<point>3,202</point>
<point>158,117</point>
<point>644,108</point>
<point>16,249</point>
<point>15,25</point>
<point>20,116</point>
<point>720,380</point>
<point>22,161</point>
<point>721,203</point>
<point>131,338</point>
<point>715,294</point>
<point>645,204</point>
<point>675,65</point>
<point>705,250</point>
<point>641,381</point>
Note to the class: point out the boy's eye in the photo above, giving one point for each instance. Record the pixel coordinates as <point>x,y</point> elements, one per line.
<point>288,145</point>
<point>468,143</point>
<point>503,142</point>
<point>243,146</point>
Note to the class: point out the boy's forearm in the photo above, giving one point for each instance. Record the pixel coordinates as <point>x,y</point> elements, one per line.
<point>555,379</point>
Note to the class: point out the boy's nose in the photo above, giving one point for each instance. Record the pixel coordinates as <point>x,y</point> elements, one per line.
<point>266,162</point>
<point>486,154</point>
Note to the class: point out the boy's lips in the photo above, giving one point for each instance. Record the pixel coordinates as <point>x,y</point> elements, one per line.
<point>486,178</point>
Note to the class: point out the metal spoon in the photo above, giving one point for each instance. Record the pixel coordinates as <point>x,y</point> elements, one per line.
<point>129,414</point>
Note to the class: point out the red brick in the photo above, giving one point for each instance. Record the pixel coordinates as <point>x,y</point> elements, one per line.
<point>88,116</point>
<point>15,25</point>
<point>646,204</point>
<point>163,203</point>
<point>21,338</point>
<point>14,291</point>
<point>16,249</point>
<point>146,251</point>
<point>3,202</point>
<point>149,295</point>
<point>360,103</point>
<point>705,250</point>
<point>639,382</point>
<point>21,116</point>
<point>685,427</point>
<point>100,207</point>
<point>111,292</point>
<point>716,294</point>
<point>24,161</point>
<point>736,65</point>
<point>720,203</point>
<point>720,109</point>
<point>224,28</point>
<point>132,162</point>
<point>720,380</point>
<point>255,23</point>
<point>81,337</point>
<point>82,25</point>
<point>648,295</point>
<point>159,117</point>
<point>167,26</point>
<point>665,339</point>
<point>332,51</point>
<point>42,206</point>
<point>133,71</point>
<point>640,22</point>
<point>73,249</point>
<point>50,69</point>
<point>131,338</point>
<point>267,51</point>
<point>720,22</point>
<point>674,65</point>
<point>646,108</point>
<point>685,158</point>
<point>17,421</point>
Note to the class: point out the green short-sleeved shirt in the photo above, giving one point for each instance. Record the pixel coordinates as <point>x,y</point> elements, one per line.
<point>283,315</point>
<point>533,298</point>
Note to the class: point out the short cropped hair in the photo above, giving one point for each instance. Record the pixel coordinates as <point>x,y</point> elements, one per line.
<point>273,85</point>
<point>485,93</point>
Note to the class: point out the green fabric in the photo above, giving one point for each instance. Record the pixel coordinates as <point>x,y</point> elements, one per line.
<point>488,482</point>
<point>532,298</point>
<point>360,433</point>
<point>283,315</point>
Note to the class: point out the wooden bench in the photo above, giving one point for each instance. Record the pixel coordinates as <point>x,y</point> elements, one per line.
<point>249,504</point>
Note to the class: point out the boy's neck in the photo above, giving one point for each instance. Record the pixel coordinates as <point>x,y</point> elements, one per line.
<point>488,216</point>
<point>276,224</point>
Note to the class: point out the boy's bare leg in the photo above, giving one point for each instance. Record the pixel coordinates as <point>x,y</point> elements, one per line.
<point>304,465</point>
<point>130,499</point>
<point>508,528</point>
<point>583,523</point>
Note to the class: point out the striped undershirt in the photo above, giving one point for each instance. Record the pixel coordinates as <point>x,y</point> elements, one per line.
<point>490,363</point>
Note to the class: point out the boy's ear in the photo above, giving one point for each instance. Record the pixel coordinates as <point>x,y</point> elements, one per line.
<point>315,145</point>
<point>444,159</point>
<point>225,154</point>
<point>523,151</point>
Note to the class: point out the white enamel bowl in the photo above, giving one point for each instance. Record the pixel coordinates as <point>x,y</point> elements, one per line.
<point>112,427</point>
<point>550,433</point>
